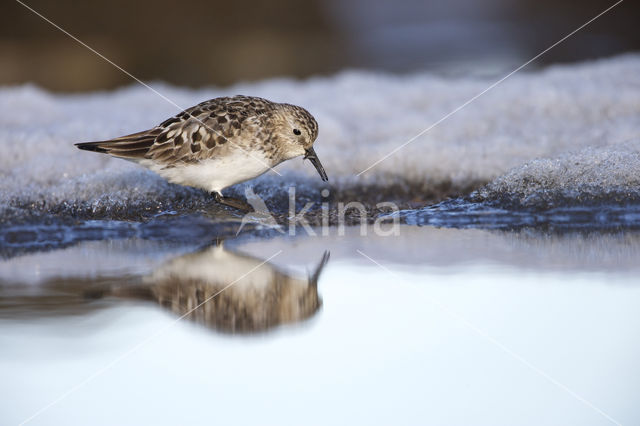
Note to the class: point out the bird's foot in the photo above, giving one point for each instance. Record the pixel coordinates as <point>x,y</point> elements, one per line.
<point>233,202</point>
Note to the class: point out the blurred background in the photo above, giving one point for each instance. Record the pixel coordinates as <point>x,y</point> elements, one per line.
<point>198,42</point>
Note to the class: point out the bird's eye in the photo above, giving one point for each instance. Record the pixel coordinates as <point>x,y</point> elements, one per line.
<point>297,132</point>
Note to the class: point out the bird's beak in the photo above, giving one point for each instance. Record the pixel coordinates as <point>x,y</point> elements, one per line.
<point>311,155</point>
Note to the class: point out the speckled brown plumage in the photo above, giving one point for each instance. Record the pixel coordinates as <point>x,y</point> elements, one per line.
<point>215,135</point>
<point>202,131</point>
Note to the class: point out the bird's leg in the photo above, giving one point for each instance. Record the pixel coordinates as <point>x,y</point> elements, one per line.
<point>232,202</point>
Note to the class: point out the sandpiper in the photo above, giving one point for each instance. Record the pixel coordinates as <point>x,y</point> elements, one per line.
<point>219,143</point>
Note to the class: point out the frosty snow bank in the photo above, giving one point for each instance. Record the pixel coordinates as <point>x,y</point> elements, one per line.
<point>565,134</point>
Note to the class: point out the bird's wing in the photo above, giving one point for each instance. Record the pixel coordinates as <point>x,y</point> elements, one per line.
<point>197,133</point>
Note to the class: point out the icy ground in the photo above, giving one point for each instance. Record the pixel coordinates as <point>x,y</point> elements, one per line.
<point>564,134</point>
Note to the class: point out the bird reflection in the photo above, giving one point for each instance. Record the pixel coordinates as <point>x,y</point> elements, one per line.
<point>224,290</point>
<point>232,292</point>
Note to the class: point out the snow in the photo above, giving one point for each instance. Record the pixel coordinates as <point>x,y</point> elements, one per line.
<point>586,176</point>
<point>566,128</point>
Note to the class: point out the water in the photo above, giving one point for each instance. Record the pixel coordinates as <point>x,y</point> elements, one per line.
<point>463,213</point>
<point>453,318</point>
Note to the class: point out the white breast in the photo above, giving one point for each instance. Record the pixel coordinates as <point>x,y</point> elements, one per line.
<point>214,174</point>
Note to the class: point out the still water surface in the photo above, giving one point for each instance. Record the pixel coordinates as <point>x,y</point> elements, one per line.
<point>450,327</point>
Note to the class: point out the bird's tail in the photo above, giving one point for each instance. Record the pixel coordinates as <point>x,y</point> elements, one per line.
<point>134,146</point>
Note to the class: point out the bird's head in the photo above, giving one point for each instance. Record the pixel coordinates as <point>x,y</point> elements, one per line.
<point>297,130</point>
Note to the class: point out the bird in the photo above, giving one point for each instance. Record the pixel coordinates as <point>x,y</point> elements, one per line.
<point>229,299</point>
<point>219,143</point>
<point>223,289</point>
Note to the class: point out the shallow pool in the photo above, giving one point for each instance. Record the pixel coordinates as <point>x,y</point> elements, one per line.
<point>433,326</point>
